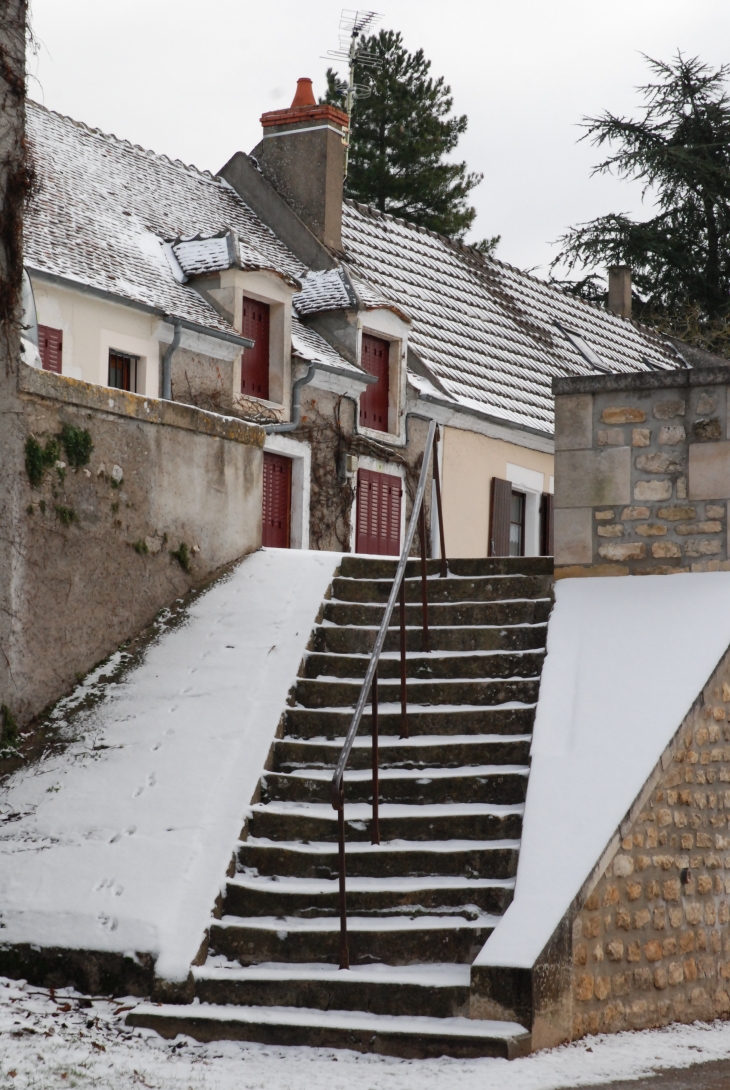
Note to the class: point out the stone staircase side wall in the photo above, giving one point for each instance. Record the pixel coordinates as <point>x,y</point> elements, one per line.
<point>650,945</point>
<point>642,473</point>
<point>91,550</point>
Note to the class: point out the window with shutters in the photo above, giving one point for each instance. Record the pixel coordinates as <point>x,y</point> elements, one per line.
<point>122,370</point>
<point>374,401</point>
<point>546,524</point>
<point>276,529</point>
<point>378,513</point>
<point>50,347</point>
<point>255,361</point>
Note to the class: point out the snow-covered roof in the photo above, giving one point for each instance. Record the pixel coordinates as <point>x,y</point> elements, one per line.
<point>491,336</point>
<point>107,211</point>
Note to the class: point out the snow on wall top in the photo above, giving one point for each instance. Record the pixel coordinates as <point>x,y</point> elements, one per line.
<point>487,331</point>
<point>121,842</point>
<point>626,658</point>
<point>105,206</point>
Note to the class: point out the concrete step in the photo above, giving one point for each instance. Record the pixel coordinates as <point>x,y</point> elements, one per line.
<point>319,859</point>
<point>305,897</point>
<point>362,567</point>
<point>462,614</point>
<point>426,751</point>
<point>318,821</point>
<point>431,991</point>
<point>404,1036</point>
<point>425,667</point>
<point>320,693</point>
<point>348,640</point>
<point>394,940</point>
<point>480,783</point>
<point>508,719</point>
<point>498,588</point>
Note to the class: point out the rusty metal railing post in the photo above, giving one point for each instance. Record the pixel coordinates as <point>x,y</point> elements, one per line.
<point>344,951</point>
<point>437,481</point>
<point>375,826</point>
<point>403,692</point>
<point>425,646</point>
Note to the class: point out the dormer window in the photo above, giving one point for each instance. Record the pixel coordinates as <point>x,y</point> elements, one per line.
<point>374,400</point>
<point>255,361</point>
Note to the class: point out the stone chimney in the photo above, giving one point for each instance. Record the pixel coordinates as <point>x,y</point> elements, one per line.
<point>619,290</point>
<point>302,155</point>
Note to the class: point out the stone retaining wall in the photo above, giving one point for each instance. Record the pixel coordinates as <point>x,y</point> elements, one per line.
<point>651,944</point>
<point>642,473</point>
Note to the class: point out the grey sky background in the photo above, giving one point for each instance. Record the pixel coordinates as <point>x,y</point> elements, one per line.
<point>191,79</point>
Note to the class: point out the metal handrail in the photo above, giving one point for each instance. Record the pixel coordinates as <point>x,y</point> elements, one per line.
<point>370,684</point>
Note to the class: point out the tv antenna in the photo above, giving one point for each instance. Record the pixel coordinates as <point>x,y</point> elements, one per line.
<point>353,25</point>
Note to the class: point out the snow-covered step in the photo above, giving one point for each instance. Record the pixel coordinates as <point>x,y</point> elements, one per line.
<point>435,991</point>
<point>452,665</point>
<point>518,611</point>
<point>423,752</point>
<point>352,639</point>
<point>338,692</point>
<point>395,940</point>
<point>480,783</point>
<point>487,588</point>
<point>278,895</point>
<point>389,1035</point>
<point>507,717</point>
<point>318,821</point>
<point>450,857</point>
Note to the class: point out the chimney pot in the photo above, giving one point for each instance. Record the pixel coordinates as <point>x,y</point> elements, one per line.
<point>619,290</point>
<point>304,94</point>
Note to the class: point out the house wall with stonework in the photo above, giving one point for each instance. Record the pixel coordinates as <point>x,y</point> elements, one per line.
<point>651,944</point>
<point>642,473</point>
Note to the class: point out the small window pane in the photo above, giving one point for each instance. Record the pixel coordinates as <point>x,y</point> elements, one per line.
<point>517,525</point>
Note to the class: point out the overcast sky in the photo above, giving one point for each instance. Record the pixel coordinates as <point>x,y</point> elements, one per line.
<point>191,79</point>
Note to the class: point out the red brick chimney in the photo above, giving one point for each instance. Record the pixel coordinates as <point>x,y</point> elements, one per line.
<point>302,155</point>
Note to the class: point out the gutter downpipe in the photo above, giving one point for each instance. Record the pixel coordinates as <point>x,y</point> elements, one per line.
<point>296,405</point>
<point>167,361</point>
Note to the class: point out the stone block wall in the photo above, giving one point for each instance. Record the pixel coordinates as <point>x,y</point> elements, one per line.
<point>642,473</point>
<point>651,944</point>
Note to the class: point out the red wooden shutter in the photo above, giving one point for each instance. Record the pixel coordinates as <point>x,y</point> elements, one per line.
<point>277,501</point>
<point>499,517</point>
<point>378,513</point>
<point>255,362</point>
<point>547,508</point>
<point>50,347</point>
<point>374,400</point>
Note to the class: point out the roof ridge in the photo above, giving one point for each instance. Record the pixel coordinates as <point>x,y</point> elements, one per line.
<point>93,131</point>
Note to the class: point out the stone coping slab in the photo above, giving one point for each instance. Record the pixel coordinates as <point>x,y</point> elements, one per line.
<point>646,380</point>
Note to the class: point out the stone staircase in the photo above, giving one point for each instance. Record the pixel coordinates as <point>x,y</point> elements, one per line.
<point>423,902</point>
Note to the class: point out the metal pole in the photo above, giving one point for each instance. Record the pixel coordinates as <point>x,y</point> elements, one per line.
<point>403,696</point>
<point>375,827</point>
<point>344,952</point>
<point>424,585</point>
<point>437,481</point>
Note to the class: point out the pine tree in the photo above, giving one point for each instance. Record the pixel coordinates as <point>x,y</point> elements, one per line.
<point>401,133</point>
<point>679,148</point>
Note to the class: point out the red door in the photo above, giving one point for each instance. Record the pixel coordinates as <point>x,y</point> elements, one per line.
<point>374,400</point>
<point>378,513</point>
<point>255,362</point>
<point>277,501</point>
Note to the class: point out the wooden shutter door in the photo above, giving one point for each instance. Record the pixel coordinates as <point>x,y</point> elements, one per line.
<point>50,348</point>
<point>374,400</point>
<point>547,508</point>
<point>275,531</point>
<point>255,361</point>
<point>378,513</point>
<point>499,517</point>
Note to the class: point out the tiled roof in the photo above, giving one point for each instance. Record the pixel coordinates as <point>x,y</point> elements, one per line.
<point>105,206</point>
<point>492,337</point>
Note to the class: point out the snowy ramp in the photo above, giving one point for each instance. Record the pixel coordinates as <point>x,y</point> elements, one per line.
<point>626,658</point>
<point>120,842</point>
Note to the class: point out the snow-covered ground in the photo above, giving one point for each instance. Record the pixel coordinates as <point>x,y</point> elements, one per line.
<point>63,1040</point>
<point>118,839</point>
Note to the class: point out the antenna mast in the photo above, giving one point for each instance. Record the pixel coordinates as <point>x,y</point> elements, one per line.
<point>355,24</point>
